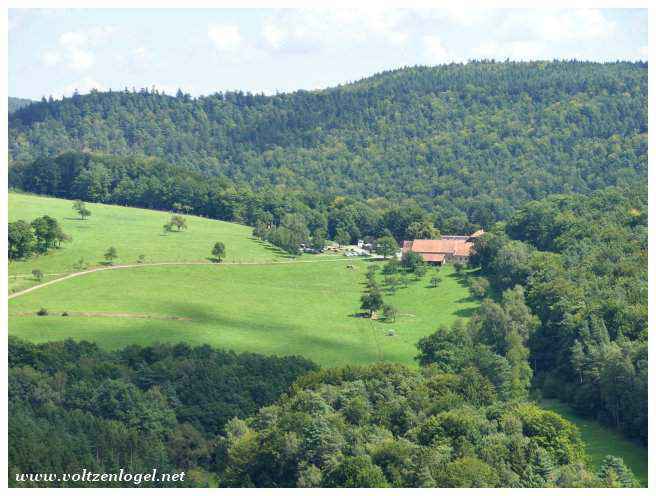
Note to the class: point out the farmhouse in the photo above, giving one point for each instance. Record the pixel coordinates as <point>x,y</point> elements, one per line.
<point>446,249</point>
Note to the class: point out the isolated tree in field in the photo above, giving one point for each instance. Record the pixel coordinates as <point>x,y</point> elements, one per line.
<point>179,222</point>
<point>390,312</point>
<point>435,281</point>
<point>80,207</point>
<point>386,246</point>
<point>420,270</point>
<point>458,267</point>
<point>80,264</point>
<point>37,274</point>
<point>48,233</point>
<point>371,301</point>
<point>218,251</point>
<point>110,255</point>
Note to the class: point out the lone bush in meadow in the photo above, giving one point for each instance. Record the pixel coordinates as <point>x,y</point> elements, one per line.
<point>218,251</point>
<point>110,255</point>
<point>80,207</point>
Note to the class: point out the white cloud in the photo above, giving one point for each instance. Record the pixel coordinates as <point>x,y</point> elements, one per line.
<point>462,16</point>
<point>554,25</point>
<point>51,58</point>
<point>80,60</point>
<point>312,29</point>
<point>75,48</point>
<point>73,39</point>
<point>226,37</point>
<point>84,85</point>
<point>434,51</point>
<point>140,52</point>
<point>274,35</point>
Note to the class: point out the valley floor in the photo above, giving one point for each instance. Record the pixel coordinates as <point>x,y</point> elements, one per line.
<point>601,440</point>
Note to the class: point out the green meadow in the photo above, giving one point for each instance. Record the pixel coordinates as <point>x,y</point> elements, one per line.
<point>303,308</point>
<point>133,232</point>
<point>601,440</point>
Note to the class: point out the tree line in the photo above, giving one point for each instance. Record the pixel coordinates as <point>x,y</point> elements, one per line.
<point>285,219</point>
<point>582,261</point>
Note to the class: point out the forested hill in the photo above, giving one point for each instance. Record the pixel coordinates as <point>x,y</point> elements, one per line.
<point>477,139</point>
<point>16,103</point>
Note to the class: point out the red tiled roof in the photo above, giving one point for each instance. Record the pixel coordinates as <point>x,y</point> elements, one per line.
<point>435,245</point>
<point>457,247</point>
<point>433,257</point>
<point>463,249</point>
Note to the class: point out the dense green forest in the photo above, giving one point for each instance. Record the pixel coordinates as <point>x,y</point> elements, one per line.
<point>583,263</point>
<point>74,406</point>
<point>178,408</point>
<point>464,141</point>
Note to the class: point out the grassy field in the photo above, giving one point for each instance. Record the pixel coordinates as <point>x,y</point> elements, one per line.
<point>308,309</point>
<point>601,440</point>
<point>133,232</point>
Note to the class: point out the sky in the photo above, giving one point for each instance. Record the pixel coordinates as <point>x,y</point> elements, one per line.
<point>53,52</point>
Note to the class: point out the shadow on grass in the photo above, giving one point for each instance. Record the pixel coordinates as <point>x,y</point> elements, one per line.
<point>273,249</point>
<point>213,260</point>
<point>467,299</point>
<point>465,313</point>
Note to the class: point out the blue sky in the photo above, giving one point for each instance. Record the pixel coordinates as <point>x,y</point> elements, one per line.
<point>55,51</point>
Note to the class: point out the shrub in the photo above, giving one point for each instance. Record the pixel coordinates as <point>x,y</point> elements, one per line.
<point>43,311</point>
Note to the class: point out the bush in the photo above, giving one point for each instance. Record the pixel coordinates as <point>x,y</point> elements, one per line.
<point>43,311</point>
<point>479,287</point>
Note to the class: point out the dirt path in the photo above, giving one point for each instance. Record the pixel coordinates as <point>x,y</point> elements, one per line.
<point>131,266</point>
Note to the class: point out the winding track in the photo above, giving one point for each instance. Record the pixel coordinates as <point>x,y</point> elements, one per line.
<point>130,266</point>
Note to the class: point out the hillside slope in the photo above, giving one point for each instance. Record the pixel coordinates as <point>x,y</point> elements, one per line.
<point>475,139</point>
<point>133,232</point>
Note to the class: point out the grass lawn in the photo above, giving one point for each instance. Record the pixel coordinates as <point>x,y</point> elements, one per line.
<point>133,232</point>
<point>601,440</point>
<point>308,309</point>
